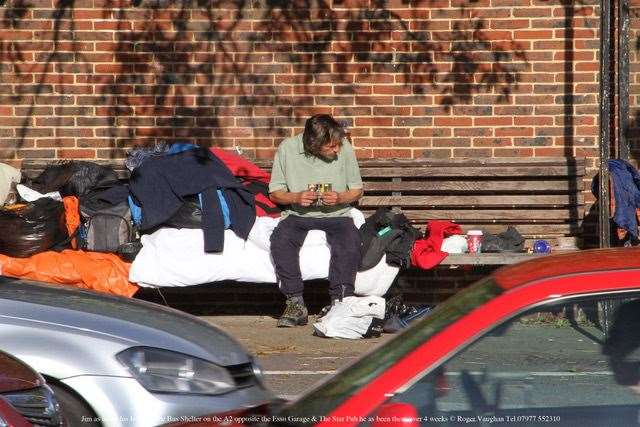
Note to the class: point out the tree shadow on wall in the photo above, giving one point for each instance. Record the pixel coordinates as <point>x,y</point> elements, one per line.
<point>221,70</point>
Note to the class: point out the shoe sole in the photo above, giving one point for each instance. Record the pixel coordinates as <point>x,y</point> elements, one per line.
<point>293,325</point>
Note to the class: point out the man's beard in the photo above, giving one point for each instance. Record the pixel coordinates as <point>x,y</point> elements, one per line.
<point>328,157</point>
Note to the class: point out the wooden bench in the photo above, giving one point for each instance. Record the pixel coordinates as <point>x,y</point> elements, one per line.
<point>542,197</point>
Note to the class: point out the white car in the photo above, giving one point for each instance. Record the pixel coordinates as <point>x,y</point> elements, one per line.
<point>120,362</point>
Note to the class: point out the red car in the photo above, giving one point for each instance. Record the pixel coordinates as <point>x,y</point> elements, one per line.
<point>25,399</point>
<point>524,346</point>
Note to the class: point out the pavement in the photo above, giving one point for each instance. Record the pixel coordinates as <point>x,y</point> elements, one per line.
<point>293,359</point>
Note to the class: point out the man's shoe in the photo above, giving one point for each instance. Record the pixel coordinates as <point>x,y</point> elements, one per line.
<point>295,314</point>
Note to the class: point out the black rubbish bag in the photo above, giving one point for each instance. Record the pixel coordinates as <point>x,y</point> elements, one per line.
<point>74,178</point>
<point>188,216</point>
<point>507,241</point>
<point>32,228</point>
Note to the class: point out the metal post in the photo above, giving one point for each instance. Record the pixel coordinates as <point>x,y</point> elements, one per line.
<point>623,79</point>
<point>605,143</point>
<point>605,109</point>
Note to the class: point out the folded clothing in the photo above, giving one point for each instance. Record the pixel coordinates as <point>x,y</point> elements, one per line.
<point>427,252</point>
<point>161,183</point>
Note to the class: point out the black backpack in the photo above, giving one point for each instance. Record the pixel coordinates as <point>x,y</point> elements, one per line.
<point>390,233</point>
<point>105,226</point>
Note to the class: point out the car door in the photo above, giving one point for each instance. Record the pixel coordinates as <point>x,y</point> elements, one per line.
<point>551,364</point>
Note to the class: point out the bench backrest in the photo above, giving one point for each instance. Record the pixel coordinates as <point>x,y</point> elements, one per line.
<point>542,197</point>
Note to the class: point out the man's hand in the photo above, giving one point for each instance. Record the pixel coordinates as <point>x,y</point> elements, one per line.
<point>306,198</point>
<point>329,198</point>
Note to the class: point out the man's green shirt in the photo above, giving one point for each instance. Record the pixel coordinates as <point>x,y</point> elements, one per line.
<point>293,170</point>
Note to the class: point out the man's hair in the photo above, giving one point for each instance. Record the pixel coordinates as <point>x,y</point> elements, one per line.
<point>320,130</point>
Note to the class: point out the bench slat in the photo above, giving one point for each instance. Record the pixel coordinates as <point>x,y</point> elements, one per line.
<point>527,230</point>
<point>461,162</point>
<point>472,171</point>
<point>492,215</point>
<point>489,258</point>
<point>449,186</point>
<point>473,201</point>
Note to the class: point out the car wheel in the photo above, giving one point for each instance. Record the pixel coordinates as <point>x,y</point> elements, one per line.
<point>75,411</point>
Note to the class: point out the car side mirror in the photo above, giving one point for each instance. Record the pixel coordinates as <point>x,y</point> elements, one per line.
<point>396,414</point>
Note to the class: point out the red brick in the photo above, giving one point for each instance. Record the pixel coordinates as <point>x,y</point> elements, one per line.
<point>513,152</point>
<point>392,90</point>
<point>391,111</point>
<point>491,142</point>
<point>15,35</point>
<point>451,142</point>
<point>474,131</point>
<point>472,152</point>
<point>76,154</point>
<point>453,121</point>
<point>509,24</point>
<point>492,121</point>
<point>36,154</point>
<point>373,142</point>
<point>55,143</point>
<point>529,12</point>
<point>533,34</point>
<point>549,152</point>
<point>390,132</point>
<point>112,25</point>
<point>587,66</point>
<point>374,121</point>
<point>82,14</point>
<point>411,142</point>
<point>397,153</point>
<point>514,131</point>
<point>533,121</point>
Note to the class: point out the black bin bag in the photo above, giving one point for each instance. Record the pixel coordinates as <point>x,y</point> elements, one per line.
<point>73,178</point>
<point>33,228</point>
<point>188,216</point>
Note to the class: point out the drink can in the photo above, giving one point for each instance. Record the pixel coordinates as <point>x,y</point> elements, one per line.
<point>474,241</point>
<point>541,247</point>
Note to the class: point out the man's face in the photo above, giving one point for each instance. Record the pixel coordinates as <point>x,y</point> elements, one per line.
<point>330,151</point>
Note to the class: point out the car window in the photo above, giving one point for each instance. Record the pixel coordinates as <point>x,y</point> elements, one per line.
<point>552,364</point>
<point>322,400</point>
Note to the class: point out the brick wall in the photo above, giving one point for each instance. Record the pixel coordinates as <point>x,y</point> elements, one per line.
<point>434,78</point>
<point>424,78</point>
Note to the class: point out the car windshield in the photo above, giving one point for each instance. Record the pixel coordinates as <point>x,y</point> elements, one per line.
<point>332,393</point>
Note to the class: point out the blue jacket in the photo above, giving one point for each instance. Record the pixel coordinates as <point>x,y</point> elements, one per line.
<point>626,190</point>
<point>160,183</point>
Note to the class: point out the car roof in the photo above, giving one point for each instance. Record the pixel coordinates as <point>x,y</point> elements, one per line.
<point>571,263</point>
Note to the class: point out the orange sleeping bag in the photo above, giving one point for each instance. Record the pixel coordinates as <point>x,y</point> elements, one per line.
<point>101,272</point>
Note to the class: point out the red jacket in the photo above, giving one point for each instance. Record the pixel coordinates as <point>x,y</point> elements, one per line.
<point>254,179</point>
<point>426,252</point>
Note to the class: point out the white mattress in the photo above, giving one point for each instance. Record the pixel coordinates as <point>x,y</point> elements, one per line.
<point>176,257</point>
